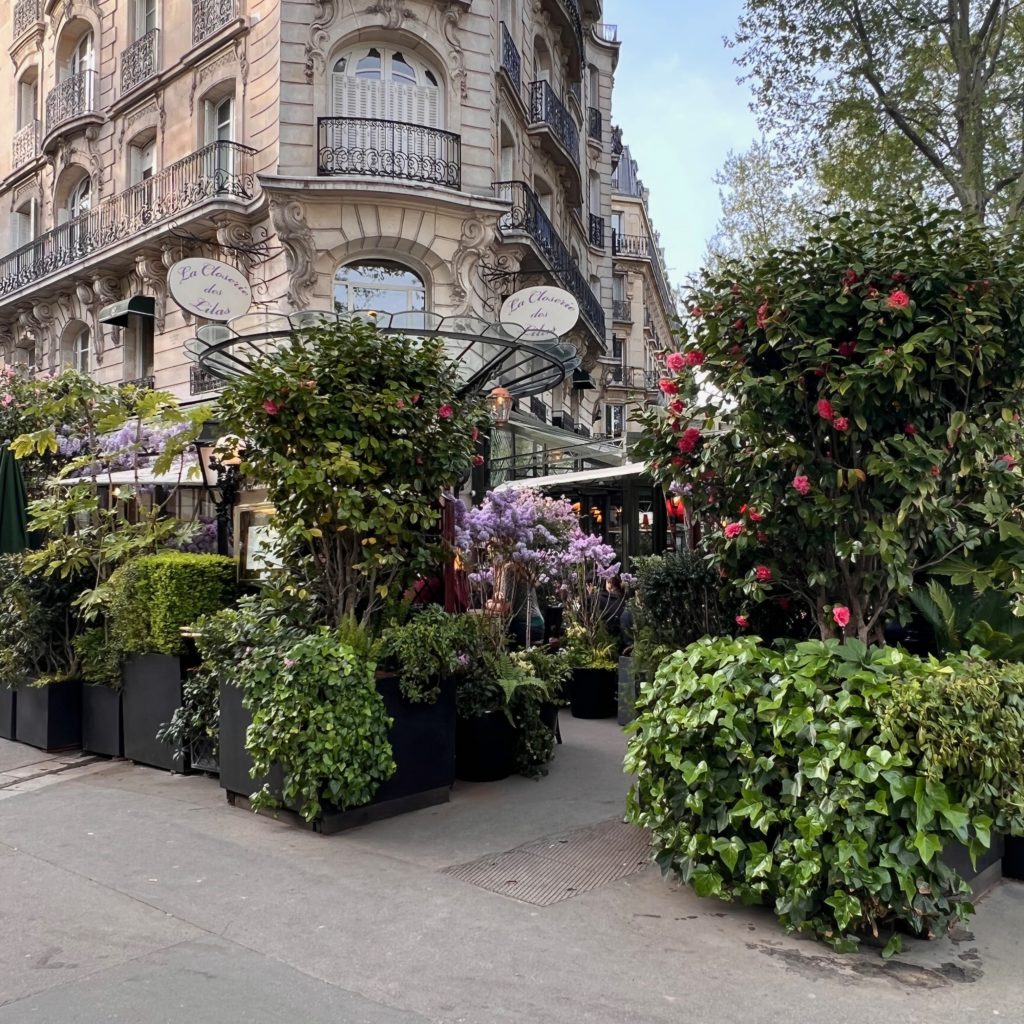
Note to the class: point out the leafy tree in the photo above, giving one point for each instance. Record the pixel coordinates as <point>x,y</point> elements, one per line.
<point>873,378</point>
<point>922,97</point>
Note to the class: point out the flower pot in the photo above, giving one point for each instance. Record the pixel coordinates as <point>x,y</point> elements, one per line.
<point>152,693</point>
<point>1013,858</point>
<point>50,717</point>
<point>549,716</point>
<point>8,700</point>
<point>234,760</point>
<point>593,692</point>
<point>485,747</point>
<point>102,725</point>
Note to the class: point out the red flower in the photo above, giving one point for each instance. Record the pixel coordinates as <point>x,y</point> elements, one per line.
<point>668,387</point>
<point>755,516</point>
<point>696,312</point>
<point>271,408</point>
<point>478,460</point>
<point>415,398</point>
<point>675,361</point>
<point>841,423</point>
<point>847,348</point>
<point>934,470</point>
<point>400,404</point>
<point>694,358</point>
<point>850,278</point>
<point>762,536</point>
<point>801,484</point>
<point>762,316</point>
<point>733,530</point>
<point>739,325</point>
<point>783,603</point>
<point>910,430</point>
<point>689,440</point>
<point>677,461</point>
<point>899,277</point>
<point>898,300</point>
<point>474,434</point>
<point>821,371</point>
<point>446,412</point>
<point>676,406</point>
<point>742,621</point>
<point>1009,461</point>
<point>762,574</point>
<point>825,409</point>
<point>841,616</point>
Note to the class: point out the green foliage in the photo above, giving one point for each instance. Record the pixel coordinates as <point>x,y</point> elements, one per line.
<point>595,648</point>
<point>355,435</point>
<point>316,712</point>
<point>99,660</point>
<point>197,719</point>
<point>153,597</point>
<point>862,398</point>
<point>426,650</point>
<point>826,779</point>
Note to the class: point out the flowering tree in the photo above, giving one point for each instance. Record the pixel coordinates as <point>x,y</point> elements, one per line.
<point>355,434</point>
<point>869,428</point>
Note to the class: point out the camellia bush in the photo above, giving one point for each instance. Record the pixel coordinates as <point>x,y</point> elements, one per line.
<point>355,434</point>
<point>859,418</point>
<point>825,780</point>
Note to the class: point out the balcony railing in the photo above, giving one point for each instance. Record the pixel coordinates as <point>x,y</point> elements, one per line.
<point>71,98</point>
<point>210,15</point>
<point>25,145</point>
<point>527,216</point>
<point>635,377</point>
<point>142,383</point>
<point>200,382</point>
<point>643,247</point>
<point>140,61</point>
<point>609,33</point>
<point>26,14</point>
<point>220,170</point>
<point>622,311</point>
<point>547,109</point>
<point>596,233</point>
<point>595,124</point>
<point>571,10</point>
<point>388,149</point>
<point>510,59</point>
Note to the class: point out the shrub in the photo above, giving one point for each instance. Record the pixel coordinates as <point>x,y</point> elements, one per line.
<point>99,661</point>
<point>826,779</point>
<point>427,649</point>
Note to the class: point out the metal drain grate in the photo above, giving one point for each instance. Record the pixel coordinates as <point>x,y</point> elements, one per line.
<point>551,870</point>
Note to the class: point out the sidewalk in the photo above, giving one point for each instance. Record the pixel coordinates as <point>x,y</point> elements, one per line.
<point>132,895</point>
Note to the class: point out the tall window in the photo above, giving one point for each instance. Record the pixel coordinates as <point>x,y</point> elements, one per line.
<point>393,85</point>
<point>77,351</point>
<point>143,17</point>
<point>28,100</point>
<point>614,418</point>
<point>83,57</point>
<point>507,155</point>
<point>505,13</point>
<point>380,285</point>
<point>26,223</point>
<point>142,161</point>
<point>618,288</point>
<point>220,127</point>
<point>617,221</point>
<point>138,355</point>
<point>542,61</point>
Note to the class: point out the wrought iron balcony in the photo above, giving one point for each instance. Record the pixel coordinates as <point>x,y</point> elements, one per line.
<point>595,124</point>
<point>622,311</point>
<point>26,14</point>
<point>547,109</point>
<point>511,62</point>
<point>596,233</point>
<point>140,61</point>
<point>527,217</point>
<point>637,246</point>
<point>210,15</point>
<point>72,98</point>
<point>569,12</point>
<point>25,145</point>
<point>142,383</point>
<point>388,149</point>
<point>220,170</point>
<point>609,33</point>
<point>201,382</point>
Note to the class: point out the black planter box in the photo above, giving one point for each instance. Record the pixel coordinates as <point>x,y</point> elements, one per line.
<point>989,868</point>
<point>152,693</point>
<point>594,693</point>
<point>102,723</point>
<point>422,740</point>
<point>485,747</point>
<point>8,704</point>
<point>50,717</point>
<point>1013,859</point>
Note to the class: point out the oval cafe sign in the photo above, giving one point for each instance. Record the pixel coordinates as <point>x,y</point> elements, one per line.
<point>209,288</point>
<point>552,310</point>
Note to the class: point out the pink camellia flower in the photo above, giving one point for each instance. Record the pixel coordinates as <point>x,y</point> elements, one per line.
<point>309,385</point>
<point>934,471</point>
<point>841,616</point>
<point>415,398</point>
<point>733,530</point>
<point>841,423</point>
<point>898,300</point>
<point>289,663</point>
<point>271,408</point>
<point>899,277</point>
<point>696,312</point>
<point>742,621</point>
<point>694,357</point>
<point>755,516</point>
<point>825,409</point>
<point>801,484</point>
<point>474,434</point>
<point>668,387</point>
<point>676,461</point>
<point>446,412</point>
<point>847,348</point>
<point>689,440</point>
<point>478,460</point>
<point>7,401</point>
<point>676,407</point>
<point>762,316</point>
<point>850,278</point>
<point>762,574</point>
<point>739,325</point>
<point>1008,461</point>
<point>910,430</point>
<point>762,536</point>
<point>675,362</point>
<point>400,404</point>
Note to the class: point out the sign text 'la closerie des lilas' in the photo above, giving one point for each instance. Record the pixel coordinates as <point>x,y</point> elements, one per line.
<point>209,288</point>
<point>542,309</point>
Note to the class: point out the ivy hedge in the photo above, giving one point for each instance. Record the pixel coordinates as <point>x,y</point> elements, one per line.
<point>826,779</point>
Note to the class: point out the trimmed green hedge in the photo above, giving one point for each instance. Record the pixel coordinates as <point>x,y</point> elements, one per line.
<point>826,779</point>
<point>154,596</point>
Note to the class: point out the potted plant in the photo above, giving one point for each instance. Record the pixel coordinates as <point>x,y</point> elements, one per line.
<point>100,668</point>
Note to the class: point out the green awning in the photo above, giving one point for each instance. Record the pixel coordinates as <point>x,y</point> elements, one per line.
<point>13,505</point>
<point>118,313</point>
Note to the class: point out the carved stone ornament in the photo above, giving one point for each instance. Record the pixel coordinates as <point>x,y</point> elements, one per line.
<point>299,251</point>
<point>395,12</point>
<point>456,58</point>
<point>467,283</point>
<point>152,274</point>
<point>148,116</point>
<point>319,37</point>
<point>226,58</point>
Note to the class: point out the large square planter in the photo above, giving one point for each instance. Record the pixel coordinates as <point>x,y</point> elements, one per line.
<point>102,721</point>
<point>1013,859</point>
<point>422,738</point>
<point>50,717</point>
<point>593,692</point>
<point>485,747</point>
<point>8,702</point>
<point>152,693</point>
<point>988,871</point>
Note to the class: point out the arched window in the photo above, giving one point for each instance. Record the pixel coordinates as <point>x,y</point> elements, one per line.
<point>76,348</point>
<point>79,199</point>
<point>389,84</point>
<point>543,190</point>
<point>541,60</point>
<point>27,99</point>
<point>381,285</point>
<point>82,57</point>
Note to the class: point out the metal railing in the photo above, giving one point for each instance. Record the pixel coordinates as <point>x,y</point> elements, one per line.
<point>142,383</point>
<point>595,124</point>
<point>71,98</point>
<point>388,149</point>
<point>547,109</point>
<point>200,381</point>
<point>511,62</point>
<point>622,311</point>
<point>140,61</point>
<point>635,377</point>
<point>538,408</point>
<point>25,144</point>
<point>609,33</point>
<point>527,216</point>
<point>571,9</point>
<point>219,170</point>
<point>210,15</point>
<point>26,14</point>
<point>596,233</point>
<point>644,248</point>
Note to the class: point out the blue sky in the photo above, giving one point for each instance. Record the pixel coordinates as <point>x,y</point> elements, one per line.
<point>681,111</point>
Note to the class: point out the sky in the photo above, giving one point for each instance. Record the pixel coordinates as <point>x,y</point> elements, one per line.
<point>681,110</point>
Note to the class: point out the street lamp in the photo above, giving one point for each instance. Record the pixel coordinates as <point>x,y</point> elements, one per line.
<point>499,402</point>
<point>218,462</point>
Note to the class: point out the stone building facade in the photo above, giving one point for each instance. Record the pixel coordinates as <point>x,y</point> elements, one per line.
<point>391,154</point>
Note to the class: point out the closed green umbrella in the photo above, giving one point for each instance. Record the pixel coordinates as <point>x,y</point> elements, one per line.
<point>13,502</point>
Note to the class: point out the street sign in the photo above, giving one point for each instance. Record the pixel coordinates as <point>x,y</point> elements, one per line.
<point>550,310</point>
<point>209,288</point>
